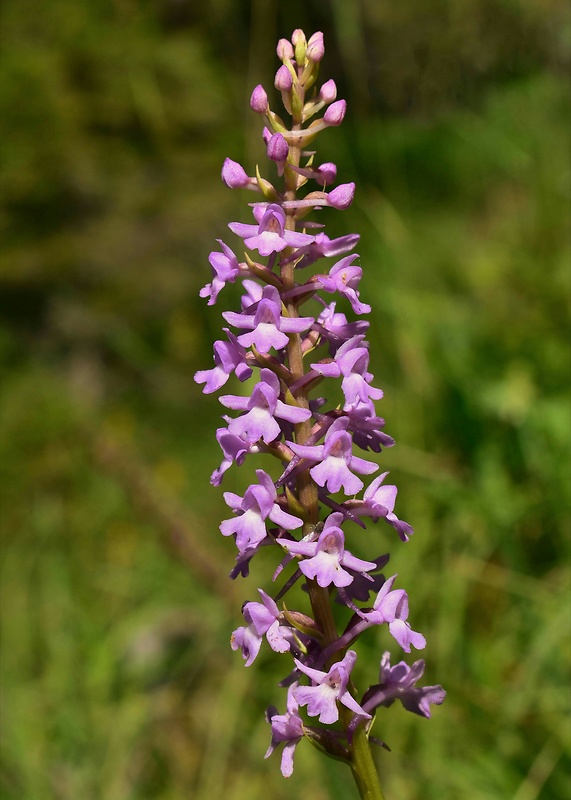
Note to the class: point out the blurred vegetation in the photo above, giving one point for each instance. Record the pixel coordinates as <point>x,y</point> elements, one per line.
<point>118,679</point>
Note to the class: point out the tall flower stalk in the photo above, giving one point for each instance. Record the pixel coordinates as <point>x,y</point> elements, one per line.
<point>289,340</point>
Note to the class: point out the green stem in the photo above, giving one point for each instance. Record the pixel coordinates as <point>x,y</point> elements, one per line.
<point>363,767</point>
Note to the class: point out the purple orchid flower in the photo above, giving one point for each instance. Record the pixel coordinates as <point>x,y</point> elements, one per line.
<point>264,620</point>
<point>364,583</point>
<point>334,460</point>
<point>366,427</point>
<point>344,277</point>
<point>253,293</point>
<point>328,689</point>
<point>257,505</point>
<point>379,501</point>
<point>234,449</point>
<point>350,363</point>
<point>269,235</point>
<point>262,408</point>
<point>325,558</point>
<point>246,639</point>
<point>287,729</point>
<point>229,357</point>
<point>225,268</point>
<point>269,328</point>
<point>398,683</point>
<point>391,606</point>
<point>322,247</point>
<point>335,329</point>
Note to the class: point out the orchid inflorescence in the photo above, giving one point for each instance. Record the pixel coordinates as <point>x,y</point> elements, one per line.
<point>295,353</point>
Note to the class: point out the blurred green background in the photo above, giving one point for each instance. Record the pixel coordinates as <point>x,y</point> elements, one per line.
<point>118,679</point>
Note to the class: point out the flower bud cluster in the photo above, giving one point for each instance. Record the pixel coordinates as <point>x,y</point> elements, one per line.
<point>289,336</point>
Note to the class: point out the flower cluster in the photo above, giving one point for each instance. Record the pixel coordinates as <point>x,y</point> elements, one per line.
<point>289,336</point>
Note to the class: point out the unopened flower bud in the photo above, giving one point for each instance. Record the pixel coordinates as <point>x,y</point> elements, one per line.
<point>335,113</point>
<point>283,80</point>
<point>327,173</point>
<point>298,37</point>
<point>284,50</point>
<point>259,100</point>
<point>234,175</point>
<point>315,47</point>
<point>277,148</point>
<point>328,91</point>
<point>342,196</point>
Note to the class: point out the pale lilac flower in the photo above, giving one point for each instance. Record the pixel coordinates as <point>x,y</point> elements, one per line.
<point>234,449</point>
<point>225,268</point>
<point>379,501</point>
<point>248,641</point>
<point>391,606</point>
<point>351,363</point>
<point>287,729</point>
<point>269,328</point>
<point>328,689</point>
<point>365,583</point>
<point>257,505</point>
<point>269,235</point>
<point>335,461</point>
<point>366,427</point>
<point>335,328</point>
<point>323,246</point>
<point>264,620</point>
<point>398,683</point>
<point>344,277</point>
<point>229,357</point>
<point>261,410</point>
<point>253,293</point>
<point>326,558</point>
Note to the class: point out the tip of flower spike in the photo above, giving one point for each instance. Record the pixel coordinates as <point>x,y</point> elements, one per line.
<point>300,44</point>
